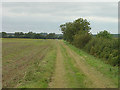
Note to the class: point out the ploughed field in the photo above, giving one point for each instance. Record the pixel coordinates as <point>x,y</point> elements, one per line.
<point>43,63</point>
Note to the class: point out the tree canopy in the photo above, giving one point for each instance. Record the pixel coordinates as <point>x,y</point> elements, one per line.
<point>32,35</point>
<point>70,29</point>
<point>104,34</point>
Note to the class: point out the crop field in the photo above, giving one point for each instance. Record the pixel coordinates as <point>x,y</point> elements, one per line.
<point>46,63</point>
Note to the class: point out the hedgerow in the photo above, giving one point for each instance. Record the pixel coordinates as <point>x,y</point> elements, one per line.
<point>103,45</point>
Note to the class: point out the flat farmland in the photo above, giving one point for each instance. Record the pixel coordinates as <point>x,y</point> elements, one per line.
<point>43,63</point>
<point>24,59</point>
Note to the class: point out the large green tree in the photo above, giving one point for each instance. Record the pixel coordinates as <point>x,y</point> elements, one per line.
<point>70,29</point>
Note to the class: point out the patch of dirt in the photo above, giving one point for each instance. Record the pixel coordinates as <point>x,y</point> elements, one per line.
<point>15,73</point>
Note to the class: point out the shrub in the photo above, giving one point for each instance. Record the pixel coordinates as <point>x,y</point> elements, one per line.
<point>104,34</point>
<point>104,48</point>
<point>81,39</point>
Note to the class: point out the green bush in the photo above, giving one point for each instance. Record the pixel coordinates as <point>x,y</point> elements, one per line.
<point>104,48</point>
<point>104,34</point>
<point>81,39</point>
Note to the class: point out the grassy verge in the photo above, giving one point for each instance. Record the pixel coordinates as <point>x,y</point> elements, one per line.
<point>39,74</point>
<point>106,69</point>
<point>74,77</point>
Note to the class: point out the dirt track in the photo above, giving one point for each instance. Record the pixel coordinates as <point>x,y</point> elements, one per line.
<point>97,79</point>
<point>58,80</point>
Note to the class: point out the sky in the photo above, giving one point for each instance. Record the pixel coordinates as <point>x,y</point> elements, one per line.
<point>48,16</point>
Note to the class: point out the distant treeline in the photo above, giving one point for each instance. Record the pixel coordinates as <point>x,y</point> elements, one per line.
<point>103,45</point>
<point>113,35</point>
<point>32,35</point>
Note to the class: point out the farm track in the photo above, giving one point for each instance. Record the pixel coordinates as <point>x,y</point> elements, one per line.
<point>58,80</point>
<point>97,79</point>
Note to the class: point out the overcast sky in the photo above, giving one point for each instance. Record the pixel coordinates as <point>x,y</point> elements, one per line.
<point>47,17</point>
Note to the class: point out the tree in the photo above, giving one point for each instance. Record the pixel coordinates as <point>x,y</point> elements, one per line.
<point>104,34</point>
<point>30,35</point>
<point>81,39</point>
<point>51,36</point>
<point>38,36</point>
<point>70,29</point>
<point>4,34</point>
<point>19,35</point>
<point>60,37</point>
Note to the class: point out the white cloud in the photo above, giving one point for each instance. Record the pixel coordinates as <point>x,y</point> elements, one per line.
<point>102,19</point>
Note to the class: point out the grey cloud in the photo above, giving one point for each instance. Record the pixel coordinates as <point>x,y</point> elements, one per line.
<point>48,16</point>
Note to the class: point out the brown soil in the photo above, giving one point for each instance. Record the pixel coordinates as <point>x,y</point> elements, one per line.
<point>15,72</point>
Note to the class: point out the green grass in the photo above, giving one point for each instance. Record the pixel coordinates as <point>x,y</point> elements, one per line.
<point>106,69</point>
